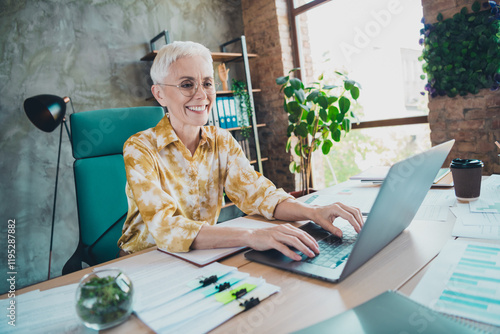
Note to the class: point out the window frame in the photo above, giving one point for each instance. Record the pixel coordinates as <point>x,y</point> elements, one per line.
<point>293,13</point>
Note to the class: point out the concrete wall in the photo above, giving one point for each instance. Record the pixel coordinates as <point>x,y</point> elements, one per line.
<point>89,51</point>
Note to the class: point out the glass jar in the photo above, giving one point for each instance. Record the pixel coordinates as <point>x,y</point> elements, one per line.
<point>104,298</point>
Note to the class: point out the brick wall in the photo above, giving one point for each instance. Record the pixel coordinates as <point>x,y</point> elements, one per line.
<point>473,120</point>
<point>267,32</point>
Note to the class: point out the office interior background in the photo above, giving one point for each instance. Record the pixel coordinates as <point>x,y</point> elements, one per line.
<point>91,51</point>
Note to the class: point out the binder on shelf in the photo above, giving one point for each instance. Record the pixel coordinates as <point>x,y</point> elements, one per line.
<point>247,149</point>
<point>210,118</point>
<point>227,111</point>
<point>244,147</point>
<point>232,112</point>
<point>214,115</point>
<point>220,112</point>
<point>241,113</point>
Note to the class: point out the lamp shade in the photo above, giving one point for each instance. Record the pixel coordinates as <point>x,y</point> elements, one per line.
<point>46,112</point>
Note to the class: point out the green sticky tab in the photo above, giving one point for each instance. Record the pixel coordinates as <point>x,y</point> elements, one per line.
<point>213,289</point>
<point>225,297</point>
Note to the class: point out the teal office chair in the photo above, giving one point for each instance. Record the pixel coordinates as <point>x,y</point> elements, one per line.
<point>98,137</point>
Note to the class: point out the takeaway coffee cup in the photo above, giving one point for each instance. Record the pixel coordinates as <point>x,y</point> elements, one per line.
<point>467,178</point>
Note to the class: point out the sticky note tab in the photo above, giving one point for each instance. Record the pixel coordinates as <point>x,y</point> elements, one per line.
<point>225,297</point>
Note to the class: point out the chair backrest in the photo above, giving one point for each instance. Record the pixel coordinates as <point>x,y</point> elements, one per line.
<point>98,137</point>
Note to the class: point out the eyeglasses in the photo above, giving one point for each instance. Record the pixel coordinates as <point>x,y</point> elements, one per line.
<point>189,88</point>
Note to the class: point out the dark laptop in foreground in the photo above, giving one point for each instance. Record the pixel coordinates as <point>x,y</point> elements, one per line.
<point>397,202</point>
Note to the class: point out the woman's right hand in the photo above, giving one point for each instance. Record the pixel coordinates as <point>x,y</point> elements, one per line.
<point>281,237</point>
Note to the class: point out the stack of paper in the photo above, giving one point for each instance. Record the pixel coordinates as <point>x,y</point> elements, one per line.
<point>50,311</point>
<point>436,205</point>
<point>480,218</point>
<point>464,281</point>
<point>170,296</point>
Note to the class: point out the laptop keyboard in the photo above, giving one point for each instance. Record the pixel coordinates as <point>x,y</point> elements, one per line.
<point>333,250</point>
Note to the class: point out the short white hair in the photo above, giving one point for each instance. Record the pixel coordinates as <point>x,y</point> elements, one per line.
<point>171,52</point>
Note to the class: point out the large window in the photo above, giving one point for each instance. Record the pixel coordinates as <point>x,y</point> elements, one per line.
<point>376,44</point>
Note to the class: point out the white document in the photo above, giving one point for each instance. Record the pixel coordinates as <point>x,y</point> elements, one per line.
<point>202,257</point>
<point>489,199</point>
<point>49,311</point>
<point>436,205</point>
<point>158,278</point>
<point>464,281</point>
<point>207,313</point>
<point>460,229</point>
<point>475,225</point>
<point>469,218</point>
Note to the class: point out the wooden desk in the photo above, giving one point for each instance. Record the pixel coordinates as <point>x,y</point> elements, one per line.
<point>304,301</point>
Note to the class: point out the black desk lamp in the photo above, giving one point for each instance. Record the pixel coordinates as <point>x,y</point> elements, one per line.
<point>47,112</point>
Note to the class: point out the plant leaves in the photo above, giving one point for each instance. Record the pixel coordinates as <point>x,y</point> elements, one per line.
<point>327,145</point>
<point>301,130</point>
<point>293,167</point>
<point>298,149</point>
<point>333,112</point>
<point>314,94</point>
<point>289,91</point>
<point>476,7</point>
<point>332,99</point>
<point>336,134</point>
<point>323,115</point>
<point>344,104</point>
<point>323,101</point>
<point>355,92</point>
<point>296,83</point>
<point>340,117</point>
<point>288,144</point>
<point>294,108</point>
<point>346,124</point>
<point>282,80</point>
<point>301,96</point>
<point>310,117</point>
<point>348,84</point>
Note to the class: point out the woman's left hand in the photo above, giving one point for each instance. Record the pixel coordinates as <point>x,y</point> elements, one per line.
<point>326,215</point>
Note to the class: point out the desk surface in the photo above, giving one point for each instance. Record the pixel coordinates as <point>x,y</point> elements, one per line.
<point>304,301</point>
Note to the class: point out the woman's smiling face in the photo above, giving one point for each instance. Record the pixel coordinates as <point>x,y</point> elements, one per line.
<point>188,110</point>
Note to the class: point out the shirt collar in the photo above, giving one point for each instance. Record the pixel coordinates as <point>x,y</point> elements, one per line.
<point>166,135</point>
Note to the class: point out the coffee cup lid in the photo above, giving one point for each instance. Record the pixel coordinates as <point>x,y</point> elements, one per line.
<point>466,163</point>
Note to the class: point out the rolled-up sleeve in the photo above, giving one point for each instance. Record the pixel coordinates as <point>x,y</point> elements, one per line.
<point>249,190</point>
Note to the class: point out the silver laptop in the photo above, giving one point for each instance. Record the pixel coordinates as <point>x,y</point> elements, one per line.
<point>397,202</point>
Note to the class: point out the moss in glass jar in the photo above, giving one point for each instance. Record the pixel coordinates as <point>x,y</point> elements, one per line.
<point>103,301</point>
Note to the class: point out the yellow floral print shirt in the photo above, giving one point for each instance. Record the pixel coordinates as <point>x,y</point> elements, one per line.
<point>171,193</point>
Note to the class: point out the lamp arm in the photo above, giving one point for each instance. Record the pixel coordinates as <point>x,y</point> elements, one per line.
<point>68,132</point>
<point>67,99</point>
<point>55,199</point>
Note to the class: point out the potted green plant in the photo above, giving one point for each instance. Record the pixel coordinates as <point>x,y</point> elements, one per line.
<point>318,115</point>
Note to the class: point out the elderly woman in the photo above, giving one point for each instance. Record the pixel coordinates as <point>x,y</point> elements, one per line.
<point>178,171</point>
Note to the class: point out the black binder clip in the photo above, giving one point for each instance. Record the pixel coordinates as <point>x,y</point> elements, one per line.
<point>209,280</point>
<point>240,293</point>
<point>223,286</point>
<point>248,304</point>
